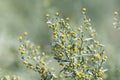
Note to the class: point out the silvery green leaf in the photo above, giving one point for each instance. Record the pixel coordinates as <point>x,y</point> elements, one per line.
<point>88,39</point>
<point>105,70</point>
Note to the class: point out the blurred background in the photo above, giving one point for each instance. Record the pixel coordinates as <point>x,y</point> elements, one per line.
<point>17,16</point>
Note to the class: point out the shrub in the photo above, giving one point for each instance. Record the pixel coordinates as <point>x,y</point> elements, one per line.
<point>78,53</point>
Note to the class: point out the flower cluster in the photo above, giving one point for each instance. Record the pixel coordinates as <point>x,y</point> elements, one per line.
<point>76,50</point>
<point>33,58</point>
<point>8,77</point>
<point>116,23</point>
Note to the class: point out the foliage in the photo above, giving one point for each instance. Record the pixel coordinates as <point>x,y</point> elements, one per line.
<point>116,23</point>
<point>79,55</point>
<point>8,77</point>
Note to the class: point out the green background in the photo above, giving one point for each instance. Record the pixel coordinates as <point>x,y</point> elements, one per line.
<point>17,16</point>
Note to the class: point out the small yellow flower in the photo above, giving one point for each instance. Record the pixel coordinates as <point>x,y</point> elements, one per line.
<point>43,63</point>
<point>86,28</point>
<point>78,38</point>
<point>92,35</point>
<point>115,13</point>
<point>68,46</point>
<point>43,74</point>
<point>62,47</point>
<point>34,58</point>
<point>28,57</point>
<point>96,74</point>
<point>92,59</point>
<point>38,47</point>
<point>31,47</point>
<point>18,78</point>
<point>31,67</point>
<point>67,19</point>
<point>78,65</point>
<point>43,68</point>
<point>20,38</point>
<point>98,56</point>
<point>55,49</point>
<point>68,35</point>
<point>101,72</point>
<point>75,50</point>
<point>23,52</point>
<point>36,50</point>
<point>68,50</point>
<point>61,54</point>
<point>57,14</point>
<point>43,53</point>
<point>54,36</point>
<point>53,24</point>
<point>79,29</point>
<point>57,24</point>
<point>25,33</point>
<point>72,32</point>
<point>63,36</point>
<point>47,15</point>
<point>25,62</point>
<point>84,9</point>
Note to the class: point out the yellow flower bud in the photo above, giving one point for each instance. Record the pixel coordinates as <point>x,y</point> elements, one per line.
<point>78,65</point>
<point>92,35</point>
<point>25,33</point>
<point>68,46</point>
<point>98,56</point>
<point>67,19</point>
<point>38,47</point>
<point>43,63</point>
<point>92,59</point>
<point>43,74</point>
<point>28,57</point>
<point>68,50</point>
<point>115,13</point>
<point>23,52</point>
<point>54,36</point>
<point>57,14</point>
<point>25,62</point>
<point>20,38</point>
<point>31,47</point>
<point>63,36</point>
<point>43,53</point>
<point>34,58</point>
<point>43,68</point>
<point>18,78</point>
<point>31,67</point>
<point>47,15</point>
<point>84,9</point>
<point>79,29</point>
<point>72,32</point>
<point>86,28</point>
